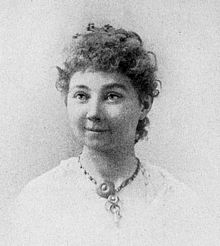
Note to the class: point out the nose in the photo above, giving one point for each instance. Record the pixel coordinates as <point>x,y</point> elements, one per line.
<point>94,112</point>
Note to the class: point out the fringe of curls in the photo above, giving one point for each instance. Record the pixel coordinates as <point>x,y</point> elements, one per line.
<point>112,50</point>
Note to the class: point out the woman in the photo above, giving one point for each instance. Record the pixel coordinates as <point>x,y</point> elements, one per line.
<point>106,195</point>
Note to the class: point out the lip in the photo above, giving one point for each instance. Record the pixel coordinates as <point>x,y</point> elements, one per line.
<point>96,130</point>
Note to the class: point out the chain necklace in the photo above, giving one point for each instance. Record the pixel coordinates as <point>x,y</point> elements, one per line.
<point>107,190</point>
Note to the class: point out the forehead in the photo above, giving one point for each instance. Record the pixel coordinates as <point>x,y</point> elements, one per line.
<point>99,80</point>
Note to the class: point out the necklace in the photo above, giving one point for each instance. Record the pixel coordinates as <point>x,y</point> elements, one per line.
<point>107,190</point>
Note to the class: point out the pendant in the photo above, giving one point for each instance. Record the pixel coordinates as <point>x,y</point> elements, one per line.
<point>115,210</point>
<point>106,189</point>
<point>113,206</point>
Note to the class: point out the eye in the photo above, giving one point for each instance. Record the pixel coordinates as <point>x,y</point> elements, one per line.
<point>112,97</point>
<point>81,96</point>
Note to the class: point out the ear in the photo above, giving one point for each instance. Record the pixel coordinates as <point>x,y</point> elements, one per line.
<point>146,105</point>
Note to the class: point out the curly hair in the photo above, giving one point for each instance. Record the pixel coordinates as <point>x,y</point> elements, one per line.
<point>112,50</point>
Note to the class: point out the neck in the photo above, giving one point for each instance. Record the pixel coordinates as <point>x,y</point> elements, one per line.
<point>111,165</point>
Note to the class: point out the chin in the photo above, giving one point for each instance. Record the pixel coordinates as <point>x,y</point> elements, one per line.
<point>98,144</point>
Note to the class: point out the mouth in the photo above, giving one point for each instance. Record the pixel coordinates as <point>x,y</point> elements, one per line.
<point>96,130</point>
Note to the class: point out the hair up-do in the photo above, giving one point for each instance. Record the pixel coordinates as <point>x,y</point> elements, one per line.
<point>112,50</point>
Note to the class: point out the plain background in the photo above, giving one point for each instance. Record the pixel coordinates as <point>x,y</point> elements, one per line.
<point>184,135</point>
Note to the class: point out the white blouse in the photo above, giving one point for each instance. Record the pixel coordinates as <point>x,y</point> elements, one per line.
<point>61,207</point>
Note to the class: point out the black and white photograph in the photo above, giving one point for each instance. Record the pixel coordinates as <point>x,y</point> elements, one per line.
<point>110,123</point>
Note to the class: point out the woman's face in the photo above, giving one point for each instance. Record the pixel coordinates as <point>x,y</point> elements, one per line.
<point>103,110</point>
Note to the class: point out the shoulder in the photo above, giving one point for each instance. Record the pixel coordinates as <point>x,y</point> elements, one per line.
<point>163,183</point>
<point>182,210</point>
<point>168,187</point>
<point>53,177</point>
<point>48,185</point>
<point>168,195</point>
<point>43,199</point>
<point>174,195</point>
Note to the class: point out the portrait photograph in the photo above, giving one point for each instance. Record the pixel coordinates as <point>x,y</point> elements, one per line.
<point>110,123</point>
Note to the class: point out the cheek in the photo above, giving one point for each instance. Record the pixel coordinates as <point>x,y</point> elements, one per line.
<point>126,116</point>
<point>75,117</point>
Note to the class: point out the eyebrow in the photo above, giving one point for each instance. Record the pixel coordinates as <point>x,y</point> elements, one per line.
<point>115,85</point>
<point>106,87</point>
<point>81,87</point>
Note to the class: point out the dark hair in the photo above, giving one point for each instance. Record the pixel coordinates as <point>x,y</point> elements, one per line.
<point>112,50</point>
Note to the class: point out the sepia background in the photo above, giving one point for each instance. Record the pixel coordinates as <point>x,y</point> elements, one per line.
<point>184,135</point>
